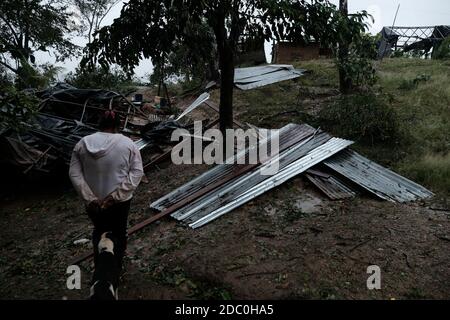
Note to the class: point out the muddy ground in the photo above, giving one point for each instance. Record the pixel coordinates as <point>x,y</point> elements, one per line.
<point>290,243</point>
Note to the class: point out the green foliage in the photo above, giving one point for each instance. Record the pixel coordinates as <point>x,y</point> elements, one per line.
<point>149,29</point>
<point>16,107</point>
<point>413,84</point>
<point>6,78</point>
<point>358,66</point>
<point>353,49</point>
<point>34,25</point>
<point>157,29</point>
<point>110,79</point>
<point>38,77</point>
<point>443,50</point>
<point>398,54</point>
<point>361,117</point>
<point>192,64</point>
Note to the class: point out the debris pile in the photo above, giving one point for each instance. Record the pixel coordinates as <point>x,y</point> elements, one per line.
<point>66,114</point>
<point>419,39</point>
<point>303,149</point>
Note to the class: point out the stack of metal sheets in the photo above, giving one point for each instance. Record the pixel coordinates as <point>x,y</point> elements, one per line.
<point>301,148</point>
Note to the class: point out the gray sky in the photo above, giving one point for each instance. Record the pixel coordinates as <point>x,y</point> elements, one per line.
<point>411,13</point>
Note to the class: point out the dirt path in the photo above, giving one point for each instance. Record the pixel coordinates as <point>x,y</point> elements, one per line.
<point>289,243</point>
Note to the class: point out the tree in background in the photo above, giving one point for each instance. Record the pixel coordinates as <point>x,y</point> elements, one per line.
<point>92,13</point>
<point>150,28</point>
<point>110,79</point>
<point>28,26</point>
<point>345,34</point>
<point>193,64</point>
<point>345,82</point>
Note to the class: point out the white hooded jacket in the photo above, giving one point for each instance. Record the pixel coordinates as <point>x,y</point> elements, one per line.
<point>105,164</point>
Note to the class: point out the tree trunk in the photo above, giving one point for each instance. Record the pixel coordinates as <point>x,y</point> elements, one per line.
<point>226,63</point>
<point>345,83</point>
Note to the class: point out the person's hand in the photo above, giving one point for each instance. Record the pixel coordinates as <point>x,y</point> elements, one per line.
<point>107,202</point>
<point>93,209</point>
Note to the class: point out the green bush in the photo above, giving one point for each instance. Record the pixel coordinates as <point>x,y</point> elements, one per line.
<point>361,117</point>
<point>443,50</point>
<point>358,64</point>
<point>16,107</point>
<point>100,78</point>
<point>36,77</point>
<point>398,54</point>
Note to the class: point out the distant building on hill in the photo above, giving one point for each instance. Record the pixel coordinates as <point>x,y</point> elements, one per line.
<point>285,52</point>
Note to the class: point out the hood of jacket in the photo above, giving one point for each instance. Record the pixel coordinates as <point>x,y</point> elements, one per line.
<point>100,144</point>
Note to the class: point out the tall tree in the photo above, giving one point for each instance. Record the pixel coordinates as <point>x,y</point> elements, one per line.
<point>345,82</point>
<point>27,26</point>
<point>92,13</point>
<point>148,29</point>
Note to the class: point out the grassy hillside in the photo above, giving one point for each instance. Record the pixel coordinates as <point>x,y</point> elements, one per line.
<point>415,93</point>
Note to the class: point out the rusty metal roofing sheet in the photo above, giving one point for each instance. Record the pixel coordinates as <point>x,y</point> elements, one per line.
<point>329,184</point>
<point>375,178</point>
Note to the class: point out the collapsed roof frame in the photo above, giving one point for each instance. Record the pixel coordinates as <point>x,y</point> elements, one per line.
<point>115,98</point>
<point>411,38</point>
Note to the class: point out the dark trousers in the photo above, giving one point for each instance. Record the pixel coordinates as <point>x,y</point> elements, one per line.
<point>113,219</point>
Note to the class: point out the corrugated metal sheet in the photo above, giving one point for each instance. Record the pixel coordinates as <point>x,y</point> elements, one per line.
<point>287,134</point>
<point>220,196</point>
<point>158,117</point>
<point>329,184</point>
<point>377,179</point>
<point>313,157</point>
<point>201,98</point>
<point>309,149</point>
<point>141,143</point>
<point>254,77</point>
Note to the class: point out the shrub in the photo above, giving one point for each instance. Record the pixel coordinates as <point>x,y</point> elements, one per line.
<point>36,77</point>
<point>16,107</point>
<point>109,79</point>
<point>443,50</point>
<point>366,117</point>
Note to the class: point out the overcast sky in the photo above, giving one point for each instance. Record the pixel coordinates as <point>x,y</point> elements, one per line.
<point>411,13</point>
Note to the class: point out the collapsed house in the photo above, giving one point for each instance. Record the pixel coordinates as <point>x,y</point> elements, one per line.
<point>406,39</point>
<point>65,115</point>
